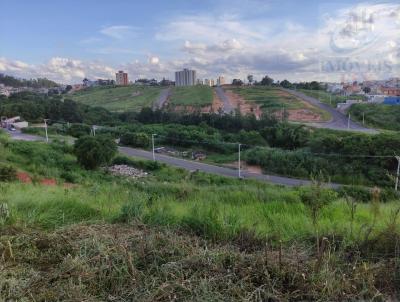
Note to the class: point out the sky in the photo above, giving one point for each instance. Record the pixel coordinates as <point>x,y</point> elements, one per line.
<point>67,41</point>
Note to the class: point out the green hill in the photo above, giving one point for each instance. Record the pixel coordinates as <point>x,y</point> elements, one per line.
<point>118,99</point>
<point>192,96</point>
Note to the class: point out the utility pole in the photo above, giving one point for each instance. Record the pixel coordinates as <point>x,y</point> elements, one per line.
<point>363,118</point>
<point>239,171</point>
<point>398,172</point>
<point>45,129</point>
<point>348,122</point>
<point>152,143</point>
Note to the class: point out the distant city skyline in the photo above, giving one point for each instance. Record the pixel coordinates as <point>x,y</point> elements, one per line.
<point>67,41</point>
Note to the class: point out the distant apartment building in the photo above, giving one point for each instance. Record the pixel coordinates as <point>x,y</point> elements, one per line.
<point>185,77</point>
<point>121,78</point>
<point>209,82</point>
<point>220,81</point>
<point>199,82</point>
<point>391,91</point>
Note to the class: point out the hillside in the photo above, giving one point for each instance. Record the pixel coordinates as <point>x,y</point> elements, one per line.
<point>274,100</point>
<point>118,99</point>
<point>196,96</point>
<point>377,115</point>
<point>73,234</point>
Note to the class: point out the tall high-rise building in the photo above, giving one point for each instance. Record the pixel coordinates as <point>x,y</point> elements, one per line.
<point>209,82</point>
<point>185,77</point>
<point>121,78</point>
<point>220,81</point>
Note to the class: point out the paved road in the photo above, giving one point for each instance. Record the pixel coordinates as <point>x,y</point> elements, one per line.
<point>227,106</point>
<point>188,164</point>
<point>339,121</point>
<point>194,165</point>
<point>162,98</point>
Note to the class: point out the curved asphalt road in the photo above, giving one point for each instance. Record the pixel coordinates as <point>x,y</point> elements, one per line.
<point>162,98</point>
<point>339,121</point>
<point>190,165</point>
<point>227,106</point>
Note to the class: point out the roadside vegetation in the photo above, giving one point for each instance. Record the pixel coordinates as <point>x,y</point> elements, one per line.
<point>330,98</point>
<point>286,149</point>
<point>186,235</point>
<point>196,96</point>
<point>377,115</point>
<point>118,98</point>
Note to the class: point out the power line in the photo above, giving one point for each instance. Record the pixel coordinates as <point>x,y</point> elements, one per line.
<point>258,146</point>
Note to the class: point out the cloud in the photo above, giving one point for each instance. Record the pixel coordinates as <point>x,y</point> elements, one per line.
<point>120,32</point>
<point>154,60</point>
<point>366,35</point>
<point>233,44</point>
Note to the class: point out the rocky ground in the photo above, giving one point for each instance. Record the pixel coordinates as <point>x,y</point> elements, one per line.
<point>127,171</point>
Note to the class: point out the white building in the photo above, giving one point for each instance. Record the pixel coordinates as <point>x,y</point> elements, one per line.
<point>185,77</point>
<point>209,82</point>
<point>220,81</point>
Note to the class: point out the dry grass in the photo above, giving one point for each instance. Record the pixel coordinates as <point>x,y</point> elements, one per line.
<point>138,263</point>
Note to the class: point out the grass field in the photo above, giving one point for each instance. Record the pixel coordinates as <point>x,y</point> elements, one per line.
<point>377,115</point>
<point>329,98</point>
<point>270,98</point>
<point>177,235</point>
<point>127,98</point>
<point>197,96</point>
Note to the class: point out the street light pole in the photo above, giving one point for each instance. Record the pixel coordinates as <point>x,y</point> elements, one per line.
<point>239,170</point>
<point>398,172</point>
<point>152,143</point>
<point>348,122</point>
<point>45,129</point>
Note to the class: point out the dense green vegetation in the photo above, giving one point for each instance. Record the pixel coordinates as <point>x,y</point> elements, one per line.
<point>118,98</point>
<point>33,83</point>
<point>35,107</point>
<point>377,115</point>
<point>104,234</point>
<point>294,150</point>
<point>94,151</point>
<point>199,95</point>
<point>330,98</point>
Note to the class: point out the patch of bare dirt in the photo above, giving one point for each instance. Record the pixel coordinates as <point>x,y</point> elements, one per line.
<point>24,177</point>
<point>303,115</point>
<point>245,107</point>
<point>245,167</point>
<point>217,103</point>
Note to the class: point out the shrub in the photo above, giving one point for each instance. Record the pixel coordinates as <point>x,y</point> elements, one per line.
<point>93,152</point>
<point>7,173</point>
<point>79,130</point>
<point>363,194</point>
<point>140,140</point>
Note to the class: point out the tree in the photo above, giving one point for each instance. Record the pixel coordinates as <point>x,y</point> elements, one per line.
<point>250,78</point>
<point>367,90</point>
<point>286,84</point>
<point>94,151</point>
<point>237,82</point>
<point>267,81</point>
<point>140,139</point>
